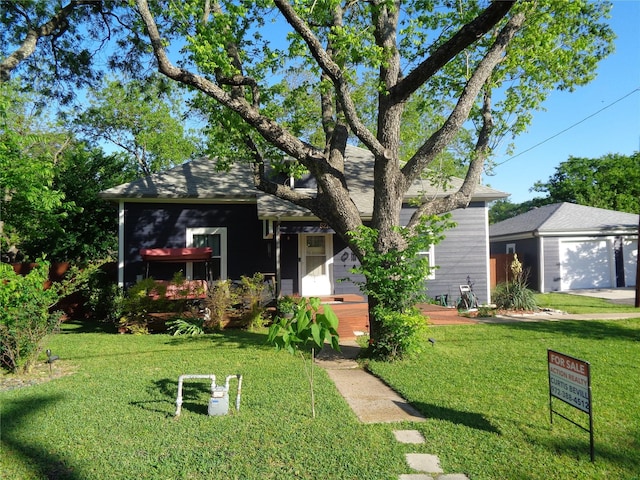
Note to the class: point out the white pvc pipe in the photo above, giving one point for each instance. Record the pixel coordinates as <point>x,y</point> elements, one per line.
<point>180,382</point>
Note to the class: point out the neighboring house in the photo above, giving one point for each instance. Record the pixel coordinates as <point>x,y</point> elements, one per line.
<point>248,231</point>
<point>567,247</point>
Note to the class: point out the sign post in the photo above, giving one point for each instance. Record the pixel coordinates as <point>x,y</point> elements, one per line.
<point>570,382</point>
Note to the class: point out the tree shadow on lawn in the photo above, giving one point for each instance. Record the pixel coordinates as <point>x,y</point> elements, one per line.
<point>39,457</point>
<point>87,326</point>
<point>468,419</point>
<point>229,337</point>
<point>587,329</point>
<point>579,447</point>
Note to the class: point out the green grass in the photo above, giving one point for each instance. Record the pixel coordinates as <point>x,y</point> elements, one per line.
<point>483,388</point>
<point>113,418</point>
<point>580,304</point>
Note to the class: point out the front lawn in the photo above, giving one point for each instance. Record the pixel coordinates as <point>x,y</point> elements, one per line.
<point>485,390</point>
<point>482,387</point>
<point>113,418</point>
<point>581,304</point>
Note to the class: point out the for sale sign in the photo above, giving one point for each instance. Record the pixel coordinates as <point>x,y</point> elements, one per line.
<point>569,380</point>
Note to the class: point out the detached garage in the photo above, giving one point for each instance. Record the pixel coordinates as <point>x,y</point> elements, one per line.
<point>569,247</point>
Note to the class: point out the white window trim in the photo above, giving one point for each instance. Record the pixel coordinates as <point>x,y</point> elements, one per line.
<point>511,248</point>
<point>431,255</point>
<point>222,231</point>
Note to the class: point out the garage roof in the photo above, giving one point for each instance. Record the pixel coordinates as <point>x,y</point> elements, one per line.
<point>565,217</point>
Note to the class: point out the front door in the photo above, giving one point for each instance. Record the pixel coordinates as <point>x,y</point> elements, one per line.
<point>315,264</point>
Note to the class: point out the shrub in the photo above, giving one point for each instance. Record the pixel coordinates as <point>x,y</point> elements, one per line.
<point>396,282</point>
<point>255,294</point>
<point>137,304</point>
<point>401,334</point>
<point>104,298</point>
<point>514,294</point>
<point>220,299</point>
<point>148,295</point>
<point>26,318</point>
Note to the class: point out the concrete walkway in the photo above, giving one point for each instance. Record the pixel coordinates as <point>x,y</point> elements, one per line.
<point>371,399</point>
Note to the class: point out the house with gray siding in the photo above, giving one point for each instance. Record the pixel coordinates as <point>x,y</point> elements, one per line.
<point>565,246</point>
<point>165,216</point>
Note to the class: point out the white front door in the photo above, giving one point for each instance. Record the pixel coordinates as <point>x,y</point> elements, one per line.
<point>315,264</point>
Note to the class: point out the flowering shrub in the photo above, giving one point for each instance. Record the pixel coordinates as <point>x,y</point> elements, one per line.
<point>514,294</point>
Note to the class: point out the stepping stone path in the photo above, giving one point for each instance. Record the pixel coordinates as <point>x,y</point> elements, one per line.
<point>428,465</point>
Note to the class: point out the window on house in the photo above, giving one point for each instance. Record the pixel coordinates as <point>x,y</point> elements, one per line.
<point>216,238</point>
<point>430,255</point>
<point>511,248</point>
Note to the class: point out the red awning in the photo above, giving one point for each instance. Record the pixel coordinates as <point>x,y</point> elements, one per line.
<point>176,254</point>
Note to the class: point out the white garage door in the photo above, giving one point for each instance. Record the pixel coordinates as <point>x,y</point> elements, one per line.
<point>586,264</point>
<point>630,255</point>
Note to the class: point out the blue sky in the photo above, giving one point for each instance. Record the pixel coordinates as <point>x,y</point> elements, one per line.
<point>614,130</point>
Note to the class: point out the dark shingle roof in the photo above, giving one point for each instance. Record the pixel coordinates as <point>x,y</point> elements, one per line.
<point>565,218</point>
<point>199,181</point>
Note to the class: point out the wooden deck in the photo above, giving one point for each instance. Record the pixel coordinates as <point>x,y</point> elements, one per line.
<point>352,313</point>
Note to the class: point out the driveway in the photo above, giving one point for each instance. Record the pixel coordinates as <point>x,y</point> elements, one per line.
<point>625,296</point>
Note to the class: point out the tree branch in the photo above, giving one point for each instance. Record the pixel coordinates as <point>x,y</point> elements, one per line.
<point>265,126</point>
<point>54,27</point>
<point>468,34</point>
<point>441,138</point>
<point>334,72</point>
<point>462,197</point>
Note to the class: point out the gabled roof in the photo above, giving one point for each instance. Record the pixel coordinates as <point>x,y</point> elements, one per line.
<point>565,218</point>
<point>198,181</point>
<point>194,180</point>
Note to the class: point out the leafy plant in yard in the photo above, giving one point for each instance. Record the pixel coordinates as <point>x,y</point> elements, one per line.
<point>402,334</point>
<point>395,283</point>
<point>304,333</point>
<point>186,326</point>
<point>26,316</point>
<point>255,294</point>
<point>137,304</point>
<point>514,294</point>
<point>219,300</point>
<point>287,306</point>
<point>104,297</point>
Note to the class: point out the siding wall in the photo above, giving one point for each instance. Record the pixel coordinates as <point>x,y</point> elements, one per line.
<point>343,261</point>
<point>463,253</point>
<point>164,226</point>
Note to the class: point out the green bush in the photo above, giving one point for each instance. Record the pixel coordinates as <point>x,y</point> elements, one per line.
<point>396,283</point>
<point>26,316</point>
<point>104,298</point>
<point>401,334</point>
<point>255,295</point>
